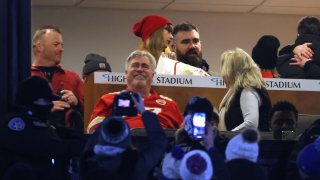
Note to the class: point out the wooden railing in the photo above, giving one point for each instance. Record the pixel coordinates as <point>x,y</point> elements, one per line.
<point>307,102</point>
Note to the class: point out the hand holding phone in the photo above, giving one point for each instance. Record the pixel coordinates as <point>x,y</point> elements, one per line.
<point>209,137</point>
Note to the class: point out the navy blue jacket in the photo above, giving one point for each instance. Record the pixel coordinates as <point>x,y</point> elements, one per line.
<point>27,139</point>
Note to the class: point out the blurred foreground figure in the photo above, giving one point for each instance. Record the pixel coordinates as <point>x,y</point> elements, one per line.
<point>109,153</point>
<point>30,146</point>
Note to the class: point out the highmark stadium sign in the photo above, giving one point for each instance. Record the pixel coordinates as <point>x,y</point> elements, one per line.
<point>208,81</point>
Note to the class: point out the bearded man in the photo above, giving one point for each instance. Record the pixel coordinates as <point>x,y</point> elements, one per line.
<point>187,45</point>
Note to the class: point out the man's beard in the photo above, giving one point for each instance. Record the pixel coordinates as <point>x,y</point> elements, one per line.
<point>139,82</point>
<point>191,57</point>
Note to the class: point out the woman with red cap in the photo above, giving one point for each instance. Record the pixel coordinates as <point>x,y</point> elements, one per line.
<point>155,32</point>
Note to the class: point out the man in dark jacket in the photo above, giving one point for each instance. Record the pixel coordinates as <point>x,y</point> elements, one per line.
<point>28,140</point>
<point>302,60</point>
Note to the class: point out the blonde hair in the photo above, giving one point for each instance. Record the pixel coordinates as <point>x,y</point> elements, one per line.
<point>240,71</point>
<point>155,43</point>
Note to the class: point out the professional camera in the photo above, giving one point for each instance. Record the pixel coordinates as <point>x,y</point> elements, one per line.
<point>123,105</point>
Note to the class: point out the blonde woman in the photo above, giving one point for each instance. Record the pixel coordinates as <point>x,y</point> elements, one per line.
<point>155,32</point>
<point>247,103</point>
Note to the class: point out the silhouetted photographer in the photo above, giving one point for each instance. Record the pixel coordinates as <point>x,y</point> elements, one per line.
<point>109,153</point>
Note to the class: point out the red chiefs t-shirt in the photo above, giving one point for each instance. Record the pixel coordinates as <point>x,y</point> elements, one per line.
<point>166,109</point>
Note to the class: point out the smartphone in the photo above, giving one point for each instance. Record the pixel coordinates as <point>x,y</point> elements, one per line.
<point>287,135</point>
<point>199,124</point>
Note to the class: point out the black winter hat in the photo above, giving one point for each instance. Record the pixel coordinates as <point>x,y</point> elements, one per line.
<point>200,104</point>
<point>33,88</point>
<point>115,132</point>
<point>94,62</point>
<point>265,52</point>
